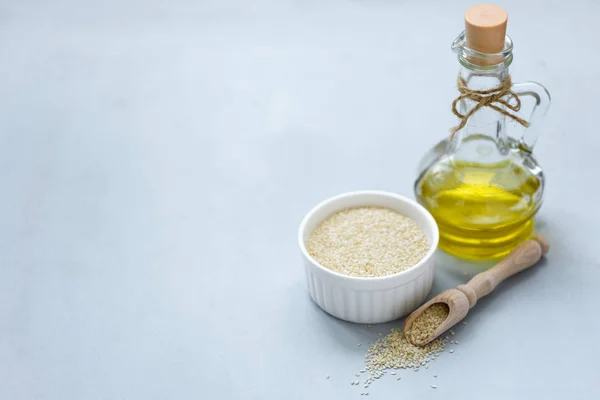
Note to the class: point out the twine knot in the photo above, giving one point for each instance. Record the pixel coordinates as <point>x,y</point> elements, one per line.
<point>487,98</point>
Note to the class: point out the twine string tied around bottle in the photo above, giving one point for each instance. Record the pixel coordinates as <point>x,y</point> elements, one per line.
<point>492,98</point>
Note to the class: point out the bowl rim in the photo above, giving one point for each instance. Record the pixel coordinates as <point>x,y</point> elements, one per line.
<point>407,273</point>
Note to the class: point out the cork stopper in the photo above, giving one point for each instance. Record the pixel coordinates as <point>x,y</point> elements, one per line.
<point>485,28</point>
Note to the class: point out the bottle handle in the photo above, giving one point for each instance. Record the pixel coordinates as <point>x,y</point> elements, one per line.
<point>542,103</point>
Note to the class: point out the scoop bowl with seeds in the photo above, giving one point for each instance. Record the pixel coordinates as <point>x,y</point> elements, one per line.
<point>440,318</point>
<point>368,255</point>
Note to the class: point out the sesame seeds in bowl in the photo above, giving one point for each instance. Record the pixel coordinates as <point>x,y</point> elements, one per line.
<point>368,255</point>
<point>368,242</point>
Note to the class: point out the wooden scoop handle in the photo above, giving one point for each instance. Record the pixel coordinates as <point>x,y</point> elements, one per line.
<point>524,256</point>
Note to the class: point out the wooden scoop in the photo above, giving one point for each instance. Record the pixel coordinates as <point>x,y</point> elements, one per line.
<point>464,297</point>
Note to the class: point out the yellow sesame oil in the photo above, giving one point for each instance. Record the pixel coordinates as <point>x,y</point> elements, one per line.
<point>483,210</point>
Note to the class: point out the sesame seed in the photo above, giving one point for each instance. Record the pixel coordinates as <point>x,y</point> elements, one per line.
<point>433,387</point>
<point>464,322</point>
<point>394,351</point>
<point>451,351</point>
<point>435,376</point>
<point>327,377</point>
<point>426,323</point>
<point>368,242</point>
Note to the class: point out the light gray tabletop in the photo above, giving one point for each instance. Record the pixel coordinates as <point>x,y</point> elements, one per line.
<point>156,158</point>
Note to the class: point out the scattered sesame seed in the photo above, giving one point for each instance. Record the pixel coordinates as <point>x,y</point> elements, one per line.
<point>464,322</point>
<point>327,377</point>
<point>393,351</point>
<point>358,344</point>
<point>369,326</point>
<point>451,351</point>
<point>399,378</point>
<point>433,387</point>
<point>434,375</point>
<point>452,332</point>
<point>456,342</point>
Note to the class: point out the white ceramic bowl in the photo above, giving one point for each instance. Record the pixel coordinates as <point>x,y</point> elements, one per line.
<point>369,300</point>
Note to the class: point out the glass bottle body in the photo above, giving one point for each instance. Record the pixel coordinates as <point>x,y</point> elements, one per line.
<point>486,187</point>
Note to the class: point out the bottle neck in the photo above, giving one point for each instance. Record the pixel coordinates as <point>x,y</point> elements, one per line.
<point>485,125</point>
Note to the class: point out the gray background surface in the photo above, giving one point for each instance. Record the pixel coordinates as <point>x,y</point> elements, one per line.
<point>156,158</point>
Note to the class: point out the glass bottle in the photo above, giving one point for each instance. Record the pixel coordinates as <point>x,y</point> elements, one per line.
<point>483,186</point>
